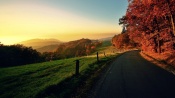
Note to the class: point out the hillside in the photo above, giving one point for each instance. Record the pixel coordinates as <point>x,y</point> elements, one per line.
<point>75,48</point>
<point>38,43</point>
<point>48,48</point>
<point>30,80</point>
<point>105,39</point>
<point>77,45</point>
<point>53,46</point>
<point>49,79</point>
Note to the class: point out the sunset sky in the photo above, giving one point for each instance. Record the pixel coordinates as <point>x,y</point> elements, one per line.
<point>64,20</point>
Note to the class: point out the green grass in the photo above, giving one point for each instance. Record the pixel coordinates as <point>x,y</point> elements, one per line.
<point>50,79</point>
<point>35,79</point>
<point>106,48</point>
<point>106,43</point>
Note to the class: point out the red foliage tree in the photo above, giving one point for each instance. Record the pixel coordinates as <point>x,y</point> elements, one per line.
<point>152,22</point>
<point>122,41</point>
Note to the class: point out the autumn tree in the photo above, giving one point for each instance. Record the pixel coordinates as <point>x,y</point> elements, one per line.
<point>122,41</point>
<point>153,22</point>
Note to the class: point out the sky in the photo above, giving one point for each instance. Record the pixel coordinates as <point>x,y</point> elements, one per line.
<point>64,20</point>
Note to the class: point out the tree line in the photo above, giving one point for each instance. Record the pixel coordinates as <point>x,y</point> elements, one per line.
<point>150,23</point>
<point>14,55</point>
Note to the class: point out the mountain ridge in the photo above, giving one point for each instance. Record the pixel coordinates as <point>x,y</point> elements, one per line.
<point>38,43</point>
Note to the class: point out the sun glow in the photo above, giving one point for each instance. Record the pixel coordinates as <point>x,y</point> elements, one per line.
<point>20,21</point>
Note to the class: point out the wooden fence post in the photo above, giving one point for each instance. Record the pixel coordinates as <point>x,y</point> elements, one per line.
<point>104,54</point>
<point>77,67</point>
<point>97,57</point>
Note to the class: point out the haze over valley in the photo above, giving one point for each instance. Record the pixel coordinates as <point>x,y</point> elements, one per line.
<point>24,20</point>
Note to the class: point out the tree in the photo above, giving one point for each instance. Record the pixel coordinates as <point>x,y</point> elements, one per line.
<point>18,55</point>
<point>170,4</point>
<point>122,21</point>
<point>151,19</point>
<point>122,41</point>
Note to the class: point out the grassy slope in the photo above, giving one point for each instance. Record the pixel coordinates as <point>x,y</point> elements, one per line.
<point>31,80</point>
<point>107,48</point>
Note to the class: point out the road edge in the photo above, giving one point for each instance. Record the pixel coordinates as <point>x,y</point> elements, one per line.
<point>160,64</point>
<point>99,79</point>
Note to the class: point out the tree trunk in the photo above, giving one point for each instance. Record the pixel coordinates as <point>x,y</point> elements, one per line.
<point>172,23</point>
<point>158,41</point>
<point>158,45</point>
<point>171,17</point>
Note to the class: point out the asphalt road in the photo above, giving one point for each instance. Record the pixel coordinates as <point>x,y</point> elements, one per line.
<point>131,76</point>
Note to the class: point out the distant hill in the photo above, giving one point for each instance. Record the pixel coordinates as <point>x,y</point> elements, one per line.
<point>66,45</point>
<point>49,48</point>
<point>38,43</point>
<point>105,39</point>
<point>69,49</point>
<point>76,47</point>
<point>73,44</point>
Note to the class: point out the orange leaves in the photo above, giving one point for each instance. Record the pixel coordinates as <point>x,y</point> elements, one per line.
<point>122,41</point>
<point>151,20</point>
<point>147,2</point>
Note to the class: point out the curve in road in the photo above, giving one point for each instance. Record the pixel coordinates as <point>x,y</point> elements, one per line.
<point>131,76</point>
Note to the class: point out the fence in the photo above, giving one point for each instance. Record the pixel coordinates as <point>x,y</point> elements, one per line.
<point>98,55</point>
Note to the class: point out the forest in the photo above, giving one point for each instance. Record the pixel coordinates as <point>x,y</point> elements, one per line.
<point>150,25</point>
<point>14,55</point>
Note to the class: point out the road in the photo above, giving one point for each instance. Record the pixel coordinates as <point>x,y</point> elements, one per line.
<point>131,76</point>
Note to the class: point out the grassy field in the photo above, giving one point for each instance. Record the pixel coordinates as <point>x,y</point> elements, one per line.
<point>106,49</point>
<point>47,79</point>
